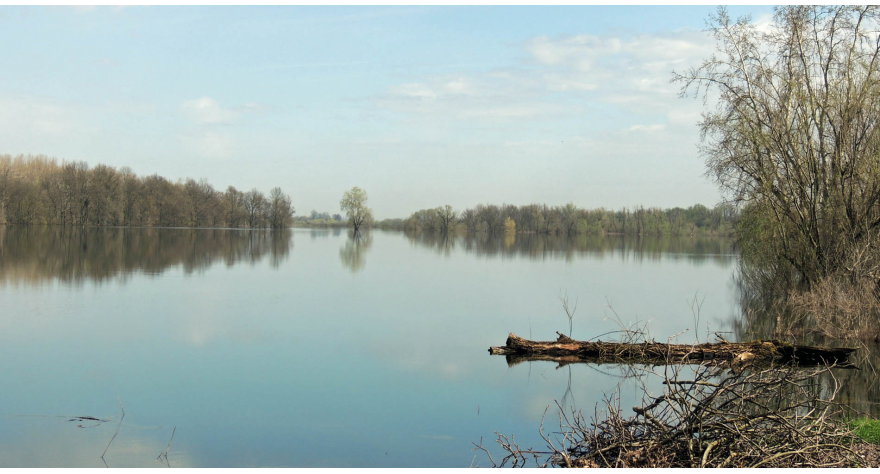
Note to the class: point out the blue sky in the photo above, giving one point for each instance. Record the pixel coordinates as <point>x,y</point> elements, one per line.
<point>420,106</point>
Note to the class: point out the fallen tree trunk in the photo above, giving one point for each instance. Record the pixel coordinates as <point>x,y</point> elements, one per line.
<point>565,350</point>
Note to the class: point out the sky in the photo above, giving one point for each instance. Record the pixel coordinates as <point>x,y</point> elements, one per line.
<point>420,106</point>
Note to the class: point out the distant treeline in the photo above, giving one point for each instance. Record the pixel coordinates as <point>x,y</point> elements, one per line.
<point>320,219</point>
<point>40,190</point>
<point>570,220</point>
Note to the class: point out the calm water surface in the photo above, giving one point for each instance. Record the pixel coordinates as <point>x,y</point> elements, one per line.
<point>308,348</point>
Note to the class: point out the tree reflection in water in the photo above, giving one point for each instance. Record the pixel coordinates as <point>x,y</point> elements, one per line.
<point>36,254</point>
<point>543,246</point>
<point>763,315</point>
<point>353,254</point>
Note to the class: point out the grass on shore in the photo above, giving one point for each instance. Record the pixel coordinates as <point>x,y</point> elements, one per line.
<point>866,429</point>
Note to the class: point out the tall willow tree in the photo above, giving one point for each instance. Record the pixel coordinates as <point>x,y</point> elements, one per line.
<point>794,138</point>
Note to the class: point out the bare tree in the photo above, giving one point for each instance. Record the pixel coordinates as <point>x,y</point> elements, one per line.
<point>568,218</point>
<point>254,204</point>
<point>469,217</point>
<point>5,179</point>
<point>280,209</point>
<point>447,217</point>
<point>794,135</point>
<point>75,181</point>
<point>53,189</point>
<point>131,190</point>
<point>103,191</point>
<point>233,202</point>
<point>203,202</point>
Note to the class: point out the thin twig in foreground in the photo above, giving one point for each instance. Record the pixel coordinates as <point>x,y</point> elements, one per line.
<point>165,454</point>
<point>117,429</point>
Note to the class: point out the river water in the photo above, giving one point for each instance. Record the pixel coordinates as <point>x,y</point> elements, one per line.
<point>310,348</point>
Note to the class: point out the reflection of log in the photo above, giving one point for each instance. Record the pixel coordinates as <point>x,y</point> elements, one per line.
<point>565,350</point>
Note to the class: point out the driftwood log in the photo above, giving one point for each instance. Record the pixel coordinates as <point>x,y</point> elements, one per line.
<point>565,350</point>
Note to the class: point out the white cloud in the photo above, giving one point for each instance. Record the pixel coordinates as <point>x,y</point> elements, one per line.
<point>460,85</point>
<point>640,63</point>
<point>562,83</point>
<point>40,117</point>
<point>253,107</point>
<point>508,94</point>
<point>416,90</point>
<point>657,127</point>
<point>764,23</point>
<point>206,110</point>
<point>83,9</point>
<point>670,48</point>
<point>209,143</point>
<point>515,111</point>
<point>579,52</point>
<point>562,75</point>
<point>212,136</point>
<point>683,116</point>
<point>445,107</point>
<point>575,103</point>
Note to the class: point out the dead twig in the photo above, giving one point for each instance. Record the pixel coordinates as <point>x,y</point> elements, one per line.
<point>769,417</point>
<point>165,454</point>
<point>568,308</point>
<point>117,428</point>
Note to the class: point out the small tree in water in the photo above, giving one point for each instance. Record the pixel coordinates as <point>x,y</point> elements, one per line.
<point>353,203</point>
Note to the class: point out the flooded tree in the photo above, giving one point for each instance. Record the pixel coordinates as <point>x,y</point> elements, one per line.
<point>794,136</point>
<point>447,217</point>
<point>794,139</point>
<point>233,207</point>
<point>255,205</point>
<point>280,209</point>
<point>353,204</point>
